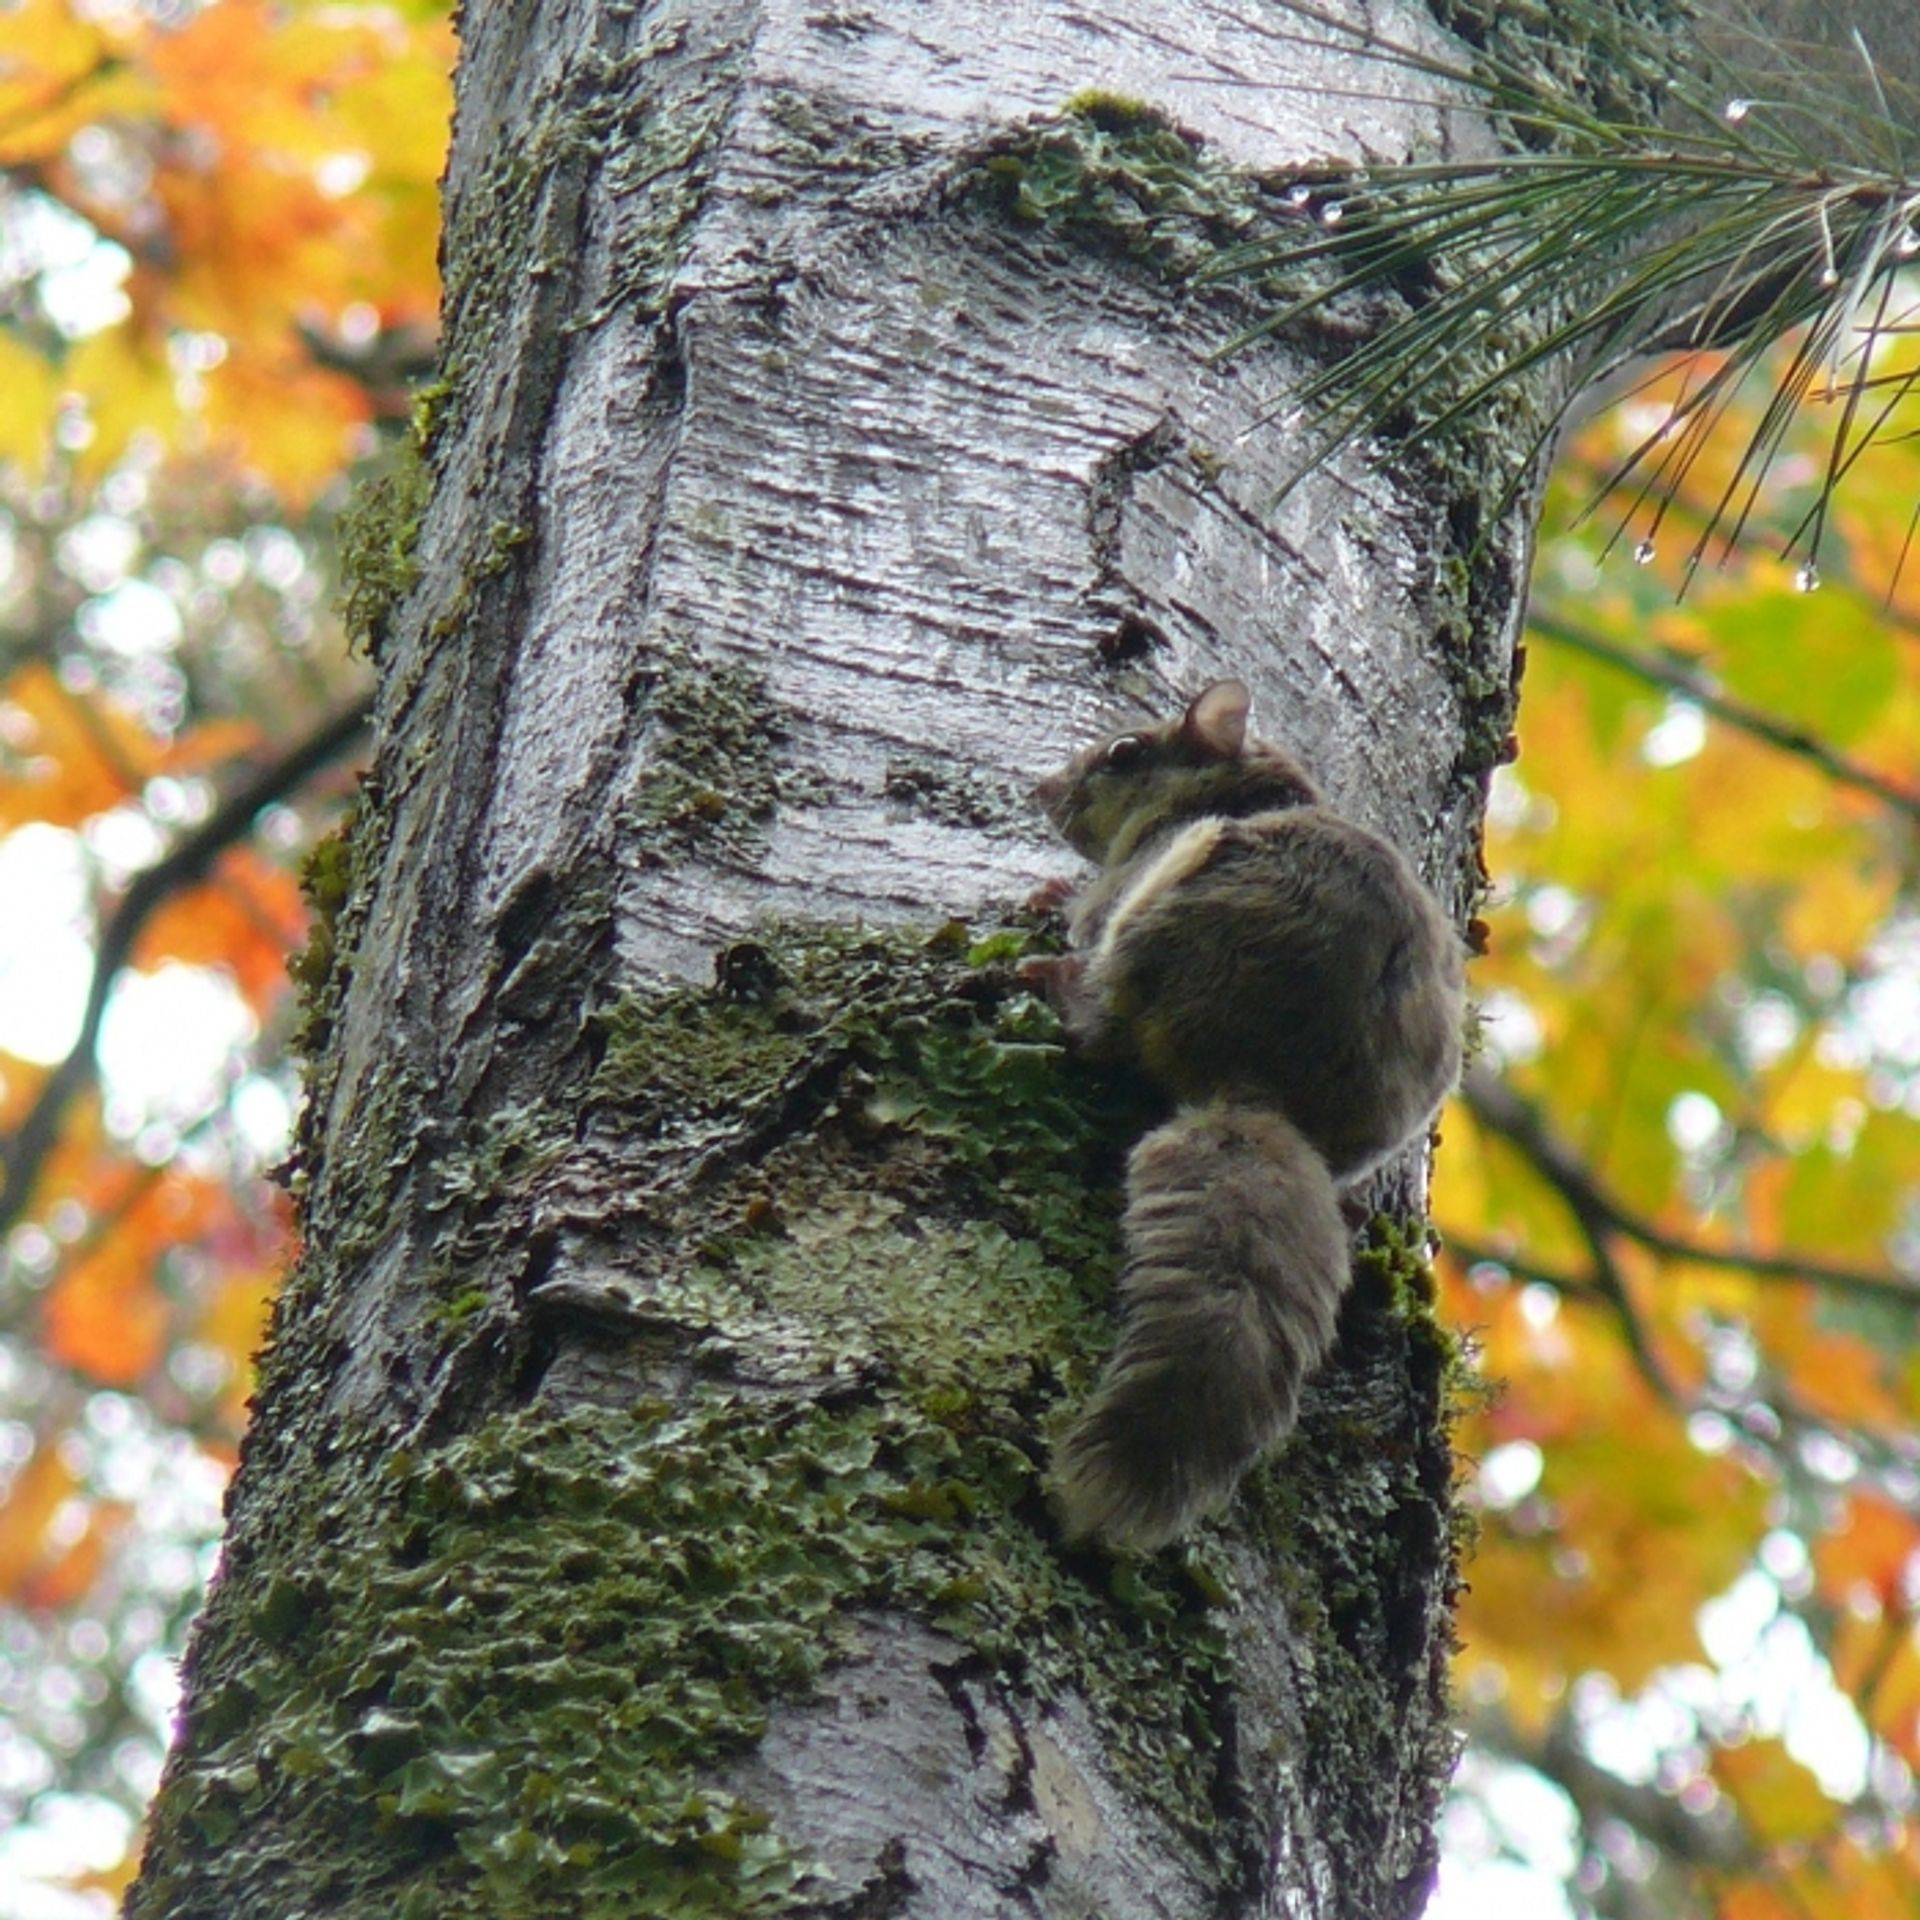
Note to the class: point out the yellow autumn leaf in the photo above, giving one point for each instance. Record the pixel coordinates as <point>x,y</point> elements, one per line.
<point>296,423</point>
<point>256,78</point>
<point>291,154</point>
<point>402,103</point>
<point>32,387</point>
<point>1870,1550</point>
<point>1874,1660</point>
<point>128,384</point>
<point>62,69</point>
<point>35,1494</point>
<point>73,758</point>
<point>1778,1798</point>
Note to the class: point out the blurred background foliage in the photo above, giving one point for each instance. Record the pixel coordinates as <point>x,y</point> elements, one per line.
<point>1681,1199</point>
<point>217,280</point>
<point>1680,1192</point>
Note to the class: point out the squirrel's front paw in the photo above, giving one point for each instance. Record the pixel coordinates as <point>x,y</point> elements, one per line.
<point>1053,973</point>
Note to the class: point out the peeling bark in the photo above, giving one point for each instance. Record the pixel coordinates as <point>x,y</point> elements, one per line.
<point>702,1230</point>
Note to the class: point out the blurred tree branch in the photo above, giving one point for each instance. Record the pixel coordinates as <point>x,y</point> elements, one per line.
<point>1678,678</point>
<point>1604,1286</point>
<point>1601,1215</point>
<point>1659,1818</point>
<point>23,1156</point>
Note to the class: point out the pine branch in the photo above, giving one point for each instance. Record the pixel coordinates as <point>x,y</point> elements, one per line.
<point>1596,241</point>
<point>23,1156</point>
<point>1591,475</point>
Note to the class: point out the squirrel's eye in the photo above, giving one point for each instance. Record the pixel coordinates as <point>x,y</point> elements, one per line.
<point>1123,752</point>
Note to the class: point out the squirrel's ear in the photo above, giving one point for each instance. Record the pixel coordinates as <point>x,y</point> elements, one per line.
<point>1217,720</point>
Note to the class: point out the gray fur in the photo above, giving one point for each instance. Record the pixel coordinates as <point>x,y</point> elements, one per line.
<point>1236,1261</point>
<point>1284,975</point>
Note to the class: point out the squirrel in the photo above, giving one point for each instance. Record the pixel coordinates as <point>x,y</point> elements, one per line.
<point>1288,980</point>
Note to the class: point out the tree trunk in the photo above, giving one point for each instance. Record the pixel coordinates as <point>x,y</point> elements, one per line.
<point>703,1229</point>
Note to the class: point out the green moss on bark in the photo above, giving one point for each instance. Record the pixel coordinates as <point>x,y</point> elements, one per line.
<point>379,533</point>
<point>1116,173</point>
<point>499,1675</point>
<point>503,1684</point>
<point>715,773</point>
<point>1359,1511</point>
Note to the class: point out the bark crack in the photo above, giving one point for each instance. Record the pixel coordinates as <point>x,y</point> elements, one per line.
<point>1132,633</point>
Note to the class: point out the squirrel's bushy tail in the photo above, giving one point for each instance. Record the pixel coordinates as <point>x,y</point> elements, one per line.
<point>1236,1260</point>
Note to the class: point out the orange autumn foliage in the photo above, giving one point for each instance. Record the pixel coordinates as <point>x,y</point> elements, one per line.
<point>268,175</point>
<point>1696,919</point>
<point>270,171</point>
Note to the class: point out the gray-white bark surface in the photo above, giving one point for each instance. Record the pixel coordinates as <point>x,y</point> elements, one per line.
<point>919,473</point>
<point>1839,58</point>
<point>793,504</point>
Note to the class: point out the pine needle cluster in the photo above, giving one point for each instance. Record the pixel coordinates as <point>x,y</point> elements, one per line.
<point>1752,238</point>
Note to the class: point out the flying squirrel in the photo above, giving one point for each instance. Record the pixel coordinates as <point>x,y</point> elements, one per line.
<point>1289,981</point>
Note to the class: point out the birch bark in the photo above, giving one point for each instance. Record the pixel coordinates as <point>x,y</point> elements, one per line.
<point>701,1229</point>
